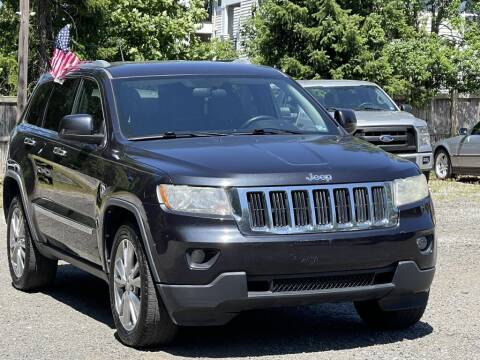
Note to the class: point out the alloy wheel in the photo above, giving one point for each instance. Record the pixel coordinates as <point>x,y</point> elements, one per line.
<point>127,284</point>
<point>17,242</point>
<point>442,165</point>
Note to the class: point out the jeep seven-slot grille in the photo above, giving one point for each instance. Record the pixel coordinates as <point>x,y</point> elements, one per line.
<point>318,208</point>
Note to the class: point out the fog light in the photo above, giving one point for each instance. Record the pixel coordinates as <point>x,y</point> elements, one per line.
<point>198,256</point>
<point>423,243</point>
<point>426,160</point>
<point>201,259</point>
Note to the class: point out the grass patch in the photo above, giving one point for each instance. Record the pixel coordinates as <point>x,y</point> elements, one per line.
<point>465,187</point>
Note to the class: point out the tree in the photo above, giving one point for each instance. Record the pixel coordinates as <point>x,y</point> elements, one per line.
<point>112,30</point>
<point>378,40</point>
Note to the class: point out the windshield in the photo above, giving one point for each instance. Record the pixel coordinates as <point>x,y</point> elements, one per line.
<point>215,105</point>
<point>360,98</point>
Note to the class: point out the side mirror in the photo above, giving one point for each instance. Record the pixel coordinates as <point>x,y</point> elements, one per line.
<point>463,131</point>
<point>347,119</point>
<point>406,108</point>
<point>79,127</point>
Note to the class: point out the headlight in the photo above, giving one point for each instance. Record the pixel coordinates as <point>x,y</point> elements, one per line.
<point>423,136</point>
<point>198,200</point>
<point>410,190</point>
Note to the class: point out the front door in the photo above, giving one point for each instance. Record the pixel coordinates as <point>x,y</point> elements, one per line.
<point>469,151</point>
<point>71,202</point>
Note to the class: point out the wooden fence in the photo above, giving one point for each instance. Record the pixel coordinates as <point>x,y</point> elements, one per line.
<point>445,119</point>
<point>8,116</point>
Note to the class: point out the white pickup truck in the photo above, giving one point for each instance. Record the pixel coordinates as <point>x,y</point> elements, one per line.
<point>380,120</point>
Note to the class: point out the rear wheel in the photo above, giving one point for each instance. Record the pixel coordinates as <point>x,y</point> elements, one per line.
<point>29,269</point>
<point>373,315</point>
<point>138,311</point>
<point>443,165</point>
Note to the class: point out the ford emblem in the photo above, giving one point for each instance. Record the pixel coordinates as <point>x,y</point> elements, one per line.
<point>386,138</point>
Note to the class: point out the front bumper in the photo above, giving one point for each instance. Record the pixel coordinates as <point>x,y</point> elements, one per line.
<point>218,302</point>
<point>423,160</point>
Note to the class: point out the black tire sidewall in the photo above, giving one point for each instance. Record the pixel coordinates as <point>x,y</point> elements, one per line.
<point>132,336</point>
<point>18,282</point>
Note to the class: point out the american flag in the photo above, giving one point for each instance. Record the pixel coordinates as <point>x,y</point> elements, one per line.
<point>63,59</point>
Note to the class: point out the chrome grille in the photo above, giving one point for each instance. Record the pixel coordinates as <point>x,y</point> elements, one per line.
<point>257,208</point>
<point>322,208</point>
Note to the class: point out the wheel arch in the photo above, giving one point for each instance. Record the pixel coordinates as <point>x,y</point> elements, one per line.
<point>11,188</point>
<point>116,208</point>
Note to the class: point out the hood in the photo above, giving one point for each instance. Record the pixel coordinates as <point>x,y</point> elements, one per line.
<point>269,160</point>
<point>387,118</point>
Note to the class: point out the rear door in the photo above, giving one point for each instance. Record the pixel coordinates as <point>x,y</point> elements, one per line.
<point>469,151</point>
<point>72,201</point>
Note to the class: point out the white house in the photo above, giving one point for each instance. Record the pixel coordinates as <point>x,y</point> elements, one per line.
<point>226,19</point>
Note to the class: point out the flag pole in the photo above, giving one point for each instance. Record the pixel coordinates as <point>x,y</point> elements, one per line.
<point>23,57</point>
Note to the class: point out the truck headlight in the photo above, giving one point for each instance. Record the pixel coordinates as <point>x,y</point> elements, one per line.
<point>192,199</point>
<point>410,190</point>
<point>423,136</point>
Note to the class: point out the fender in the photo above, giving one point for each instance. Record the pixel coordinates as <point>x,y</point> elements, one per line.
<point>133,204</point>
<point>15,172</point>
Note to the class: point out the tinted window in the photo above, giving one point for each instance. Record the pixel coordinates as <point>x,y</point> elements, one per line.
<point>360,98</point>
<point>152,106</point>
<point>90,103</point>
<point>476,129</point>
<point>38,103</point>
<point>60,104</point>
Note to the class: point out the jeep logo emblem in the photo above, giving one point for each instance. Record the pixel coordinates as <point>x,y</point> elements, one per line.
<point>386,138</point>
<point>322,178</point>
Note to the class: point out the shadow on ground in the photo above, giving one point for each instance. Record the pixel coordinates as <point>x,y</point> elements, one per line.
<point>255,333</point>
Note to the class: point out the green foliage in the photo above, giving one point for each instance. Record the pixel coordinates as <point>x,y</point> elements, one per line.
<point>107,29</point>
<point>383,41</point>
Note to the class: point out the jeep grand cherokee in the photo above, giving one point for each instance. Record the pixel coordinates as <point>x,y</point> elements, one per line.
<point>201,189</point>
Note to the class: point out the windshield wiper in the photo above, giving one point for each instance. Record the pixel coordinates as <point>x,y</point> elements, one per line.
<point>370,108</point>
<point>176,135</point>
<point>268,131</point>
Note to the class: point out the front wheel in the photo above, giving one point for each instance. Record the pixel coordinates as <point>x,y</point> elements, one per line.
<point>373,315</point>
<point>29,269</point>
<point>443,165</point>
<point>138,311</point>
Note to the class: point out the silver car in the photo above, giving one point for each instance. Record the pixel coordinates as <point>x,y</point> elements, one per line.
<point>380,120</point>
<point>459,155</point>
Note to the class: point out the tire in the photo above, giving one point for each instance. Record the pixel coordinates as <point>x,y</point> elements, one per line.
<point>149,323</point>
<point>443,165</point>
<point>373,315</point>
<point>29,269</point>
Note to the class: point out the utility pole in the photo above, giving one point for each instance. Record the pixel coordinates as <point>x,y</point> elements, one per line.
<point>23,56</point>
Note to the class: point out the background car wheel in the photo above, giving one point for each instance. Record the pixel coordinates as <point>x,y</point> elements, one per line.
<point>29,269</point>
<point>373,315</point>
<point>443,166</point>
<point>138,311</point>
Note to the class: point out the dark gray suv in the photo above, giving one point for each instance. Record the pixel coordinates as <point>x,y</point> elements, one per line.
<point>198,190</point>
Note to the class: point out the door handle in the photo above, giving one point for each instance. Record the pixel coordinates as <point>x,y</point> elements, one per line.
<point>29,141</point>
<point>59,151</point>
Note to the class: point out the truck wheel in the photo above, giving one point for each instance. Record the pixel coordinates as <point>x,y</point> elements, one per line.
<point>373,315</point>
<point>29,269</point>
<point>443,165</point>
<point>140,317</point>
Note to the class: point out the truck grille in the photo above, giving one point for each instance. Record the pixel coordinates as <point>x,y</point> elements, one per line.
<point>402,138</point>
<point>320,208</point>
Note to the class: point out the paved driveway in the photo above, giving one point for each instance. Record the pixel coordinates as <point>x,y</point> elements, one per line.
<point>72,320</point>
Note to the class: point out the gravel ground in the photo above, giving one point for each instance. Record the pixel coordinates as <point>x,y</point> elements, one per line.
<point>72,319</point>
